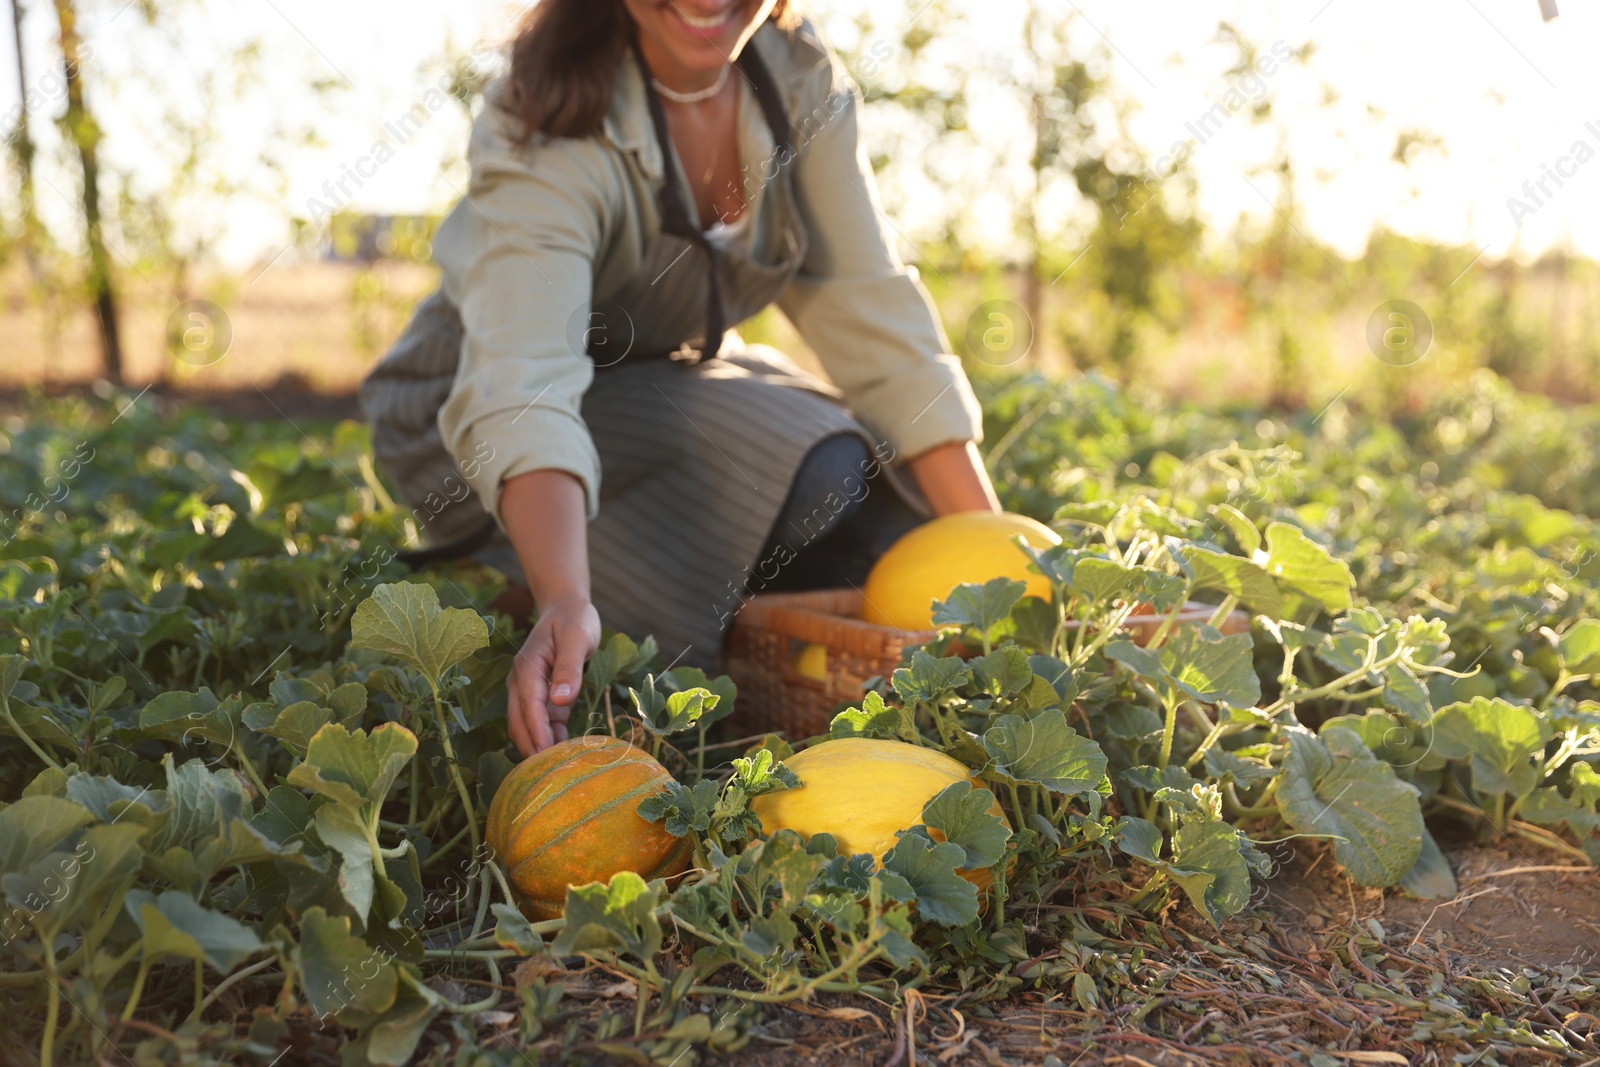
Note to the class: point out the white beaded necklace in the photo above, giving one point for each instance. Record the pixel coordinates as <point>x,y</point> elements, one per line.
<point>698,95</point>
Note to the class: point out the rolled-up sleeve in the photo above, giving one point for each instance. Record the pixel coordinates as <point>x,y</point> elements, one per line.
<point>517,258</point>
<point>864,312</point>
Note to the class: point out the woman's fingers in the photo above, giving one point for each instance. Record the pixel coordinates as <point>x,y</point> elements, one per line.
<point>571,651</point>
<point>514,723</point>
<point>532,674</point>
<point>546,676</point>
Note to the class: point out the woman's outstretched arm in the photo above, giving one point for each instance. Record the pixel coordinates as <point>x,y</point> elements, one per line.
<point>952,479</point>
<point>544,514</point>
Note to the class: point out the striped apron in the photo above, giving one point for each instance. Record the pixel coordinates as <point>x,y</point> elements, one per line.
<point>699,435</point>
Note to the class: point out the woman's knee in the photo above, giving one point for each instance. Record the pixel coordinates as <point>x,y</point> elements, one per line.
<point>828,488</point>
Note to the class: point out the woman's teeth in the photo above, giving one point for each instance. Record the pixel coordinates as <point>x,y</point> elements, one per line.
<point>703,23</point>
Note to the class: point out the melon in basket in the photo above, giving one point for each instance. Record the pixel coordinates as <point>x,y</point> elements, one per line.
<point>931,560</point>
<point>864,792</point>
<point>569,816</point>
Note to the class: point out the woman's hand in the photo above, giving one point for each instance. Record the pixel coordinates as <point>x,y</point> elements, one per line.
<point>543,512</point>
<point>548,672</point>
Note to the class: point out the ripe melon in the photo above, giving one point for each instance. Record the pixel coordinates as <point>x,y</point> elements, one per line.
<point>569,816</point>
<point>812,662</point>
<point>931,560</point>
<point>864,791</point>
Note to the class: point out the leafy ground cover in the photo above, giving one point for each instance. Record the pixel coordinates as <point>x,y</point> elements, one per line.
<point>246,756</point>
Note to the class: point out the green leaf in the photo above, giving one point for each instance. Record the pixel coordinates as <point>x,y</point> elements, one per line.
<point>1430,877</point>
<point>11,667</point>
<point>1141,661</point>
<point>1547,807</point>
<point>34,825</point>
<point>672,713</point>
<point>1212,668</point>
<point>1100,579</point>
<point>1305,566</point>
<point>174,924</point>
<point>62,888</point>
<point>344,829</point>
<point>1208,864</point>
<point>352,767</point>
<point>1141,839</point>
<point>1579,647</point>
<point>873,719</point>
<point>1235,576</point>
<point>1044,749</point>
<point>682,809</point>
<point>684,679</point>
<point>617,917</point>
<point>760,772</point>
<point>1499,738</point>
<point>404,620</point>
<point>111,801</point>
<point>1003,672</point>
<point>296,724</point>
<point>1244,531</point>
<point>191,717</point>
<point>929,679</point>
<point>513,932</point>
<point>339,971</point>
<point>1162,592</point>
<point>392,1041</point>
<point>929,870</point>
<point>981,607</point>
<point>962,815</point>
<point>1056,674</point>
<point>1335,786</point>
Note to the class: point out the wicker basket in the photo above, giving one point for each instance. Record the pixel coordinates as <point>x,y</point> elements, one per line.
<point>771,630</point>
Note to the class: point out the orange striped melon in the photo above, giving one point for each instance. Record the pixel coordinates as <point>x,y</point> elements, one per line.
<point>569,816</point>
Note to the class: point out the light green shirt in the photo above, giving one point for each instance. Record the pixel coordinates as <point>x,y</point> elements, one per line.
<point>546,229</point>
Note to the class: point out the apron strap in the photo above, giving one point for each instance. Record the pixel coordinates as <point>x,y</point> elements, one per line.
<point>675,217</point>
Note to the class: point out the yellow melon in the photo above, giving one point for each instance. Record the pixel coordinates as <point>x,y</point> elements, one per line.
<point>931,560</point>
<point>569,816</point>
<point>864,791</point>
<point>812,662</point>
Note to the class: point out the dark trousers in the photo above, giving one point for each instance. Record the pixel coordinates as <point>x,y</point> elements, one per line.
<point>836,521</point>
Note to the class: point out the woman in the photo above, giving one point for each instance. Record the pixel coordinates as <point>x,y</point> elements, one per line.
<point>651,173</point>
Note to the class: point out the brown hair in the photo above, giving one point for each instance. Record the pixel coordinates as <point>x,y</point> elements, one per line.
<point>564,63</point>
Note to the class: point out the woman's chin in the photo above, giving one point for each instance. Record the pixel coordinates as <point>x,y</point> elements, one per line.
<point>702,55</point>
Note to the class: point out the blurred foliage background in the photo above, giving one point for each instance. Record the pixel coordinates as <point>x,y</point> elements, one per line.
<point>1107,266</point>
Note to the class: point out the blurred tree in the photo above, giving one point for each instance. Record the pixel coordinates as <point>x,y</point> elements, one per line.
<point>84,134</point>
<point>22,148</point>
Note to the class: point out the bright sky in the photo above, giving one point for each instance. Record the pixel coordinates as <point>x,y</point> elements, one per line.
<point>1507,92</point>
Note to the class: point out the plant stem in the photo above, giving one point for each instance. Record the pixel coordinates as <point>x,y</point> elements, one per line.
<point>499,876</point>
<point>5,706</point>
<point>1169,730</point>
<point>138,988</point>
<point>1248,811</point>
<point>52,1014</point>
<point>455,769</point>
<point>199,989</point>
<point>235,978</point>
<point>1539,836</point>
<point>443,850</point>
<point>1224,609</point>
<point>700,753</point>
<point>1145,890</point>
<point>250,769</point>
<point>412,818</point>
<point>1158,638</point>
